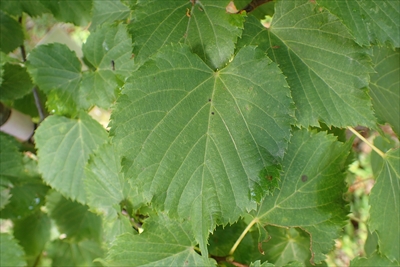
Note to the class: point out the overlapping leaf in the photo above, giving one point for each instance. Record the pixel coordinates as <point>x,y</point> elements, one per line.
<point>324,67</point>
<point>384,86</point>
<point>16,82</point>
<point>109,50</point>
<point>369,21</point>
<point>196,140</point>
<point>76,12</point>
<point>310,194</point>
<point>11,254</point>
<point>64,146</point>
<point>57,71</point>
<point>11,33</point>
<point>375,260</point>
<point>108,12</point>
<point>164,242</point>
<point>10,158</point>
<point>15,7</point>
<point>204,25</point>
<point>385,204</point>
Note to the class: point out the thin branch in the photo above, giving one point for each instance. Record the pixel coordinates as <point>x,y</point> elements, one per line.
<point>380,153</point>
<point>254,221</point>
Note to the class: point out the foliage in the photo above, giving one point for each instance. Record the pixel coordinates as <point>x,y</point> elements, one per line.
<point>226,136</point>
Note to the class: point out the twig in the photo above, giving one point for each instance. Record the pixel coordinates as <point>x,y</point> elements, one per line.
<point>380,153</point>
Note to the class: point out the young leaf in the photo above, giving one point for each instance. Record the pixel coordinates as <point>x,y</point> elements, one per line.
<point>108,12</point>
<point>73,219</point>
<point>16,82</point>
<point>325,68</point>
<point>67,253</point>
<point>368,21</point>
<point>11,33</point>
<point>196,140</point>
<point>64,146</point>
<point>57,71</point>
<point>310,194</point>
<point>204,25</point>
<point>11,254</point>
<point>109,50</point>
<point>164,242</point>
<point>385,204</point>
<point>384,86</point>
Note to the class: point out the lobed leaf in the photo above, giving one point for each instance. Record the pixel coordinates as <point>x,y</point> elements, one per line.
<point>310,194</point>
<point>195,140</point>
<point>325,68</point>
<point>63,147</point>
<point>368,21</point>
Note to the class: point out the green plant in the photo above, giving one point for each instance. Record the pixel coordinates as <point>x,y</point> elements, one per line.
<point>225,133</point>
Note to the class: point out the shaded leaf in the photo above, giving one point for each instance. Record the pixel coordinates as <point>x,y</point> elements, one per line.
<point>259,264</point>
<point>310,194</point>
<point>15,7</point>
<point>76,12</point>
<point>325,68</point>
<point>73,219</point>
<point>107,12</point>
<point>109,51</point>
<point>205,26</point>
<point>375,260</point>
<point>16,82</point>
<point>385,204</point>
<point>196,140</point>
<point>384,86</point>
<point>10,158</point>
<point>164,242</point>
<point>57,71</point>
<point>11,254</point>
<point>11,33</point>
<point>368,21</point>
<point>66,253</point>
<point>63,147</point>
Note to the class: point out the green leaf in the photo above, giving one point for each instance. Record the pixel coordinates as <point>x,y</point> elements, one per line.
<point>287,245</point>
<point>259,264</point>
<point>66,253</point>
<point>109,50</point>
<point>15,7</point>
<point>164,242</point>
<point>310,195</point>
<point>375,260</point>
<point>76,12</point>
<point>16,82</point>
<point>10,158</point>
<point>384,86</point>
<point>385,204</point>
<point>108,12</point>
<point>33,232</point>
<point>196,140</point>
<point>73,219</point>
<point>368,21</point>
<point>205,26</point>
<point>325,68</point>
<point>57,71</point>
<point>11,33</point>
<point>26,199</point>
<point>105,182</point>
<point>63,147</point>
<point>11,254</point>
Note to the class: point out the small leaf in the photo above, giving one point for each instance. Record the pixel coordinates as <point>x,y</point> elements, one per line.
<point>108,12</point>
<point>66,253</point>
<point>314,204</point>
<point>368,21</point>
<point>326,70</point>
<point>384,86</point>
<point>11,33</point>
<point>64,146</point>
<point>57,71</point>
<point>109,51</point>
<point>11,254</point>
<point>205,26</point>
<point>16,82</point>
<point>164,242</point>
<point>73,219</point>
<point>385,204</point>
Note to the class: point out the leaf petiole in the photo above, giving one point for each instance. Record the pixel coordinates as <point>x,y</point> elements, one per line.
<point>380,153</point>
<point>254,221</point>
